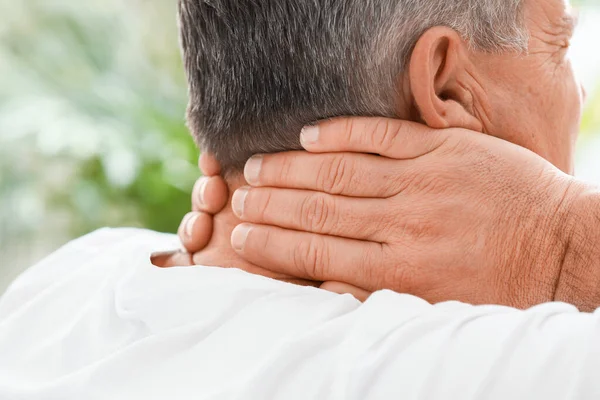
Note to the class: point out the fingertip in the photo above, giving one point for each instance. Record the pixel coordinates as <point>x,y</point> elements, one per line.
<point>309,136</point>
<point>327,135</point>
<point>239,237</point>
<point>238,201</point>
<point>209,165</point>
<point>216,194</point>
<point>252,169</point>
<point>184,230</point>
<point>202,232</point>
<point>195,231</point>
<point>198,201</point>
<point>210,194</point>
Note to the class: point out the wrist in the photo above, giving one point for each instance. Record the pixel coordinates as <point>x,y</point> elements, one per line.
<point>579,278</point>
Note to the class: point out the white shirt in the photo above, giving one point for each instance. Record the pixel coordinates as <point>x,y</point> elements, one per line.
<point>96,320</point>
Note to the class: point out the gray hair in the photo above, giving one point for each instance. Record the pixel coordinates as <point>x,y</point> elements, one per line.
<point>259,70</point>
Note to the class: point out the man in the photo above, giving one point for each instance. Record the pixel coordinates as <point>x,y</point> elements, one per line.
<point>507,267</point>
<point>97,320</point>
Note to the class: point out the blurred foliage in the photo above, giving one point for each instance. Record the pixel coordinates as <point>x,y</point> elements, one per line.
<point>92,106</point>
<point>591,118</point>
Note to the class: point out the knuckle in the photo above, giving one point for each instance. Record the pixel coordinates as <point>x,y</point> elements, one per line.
<point>261,202</point>
<point>310,257</point>
<point>386,226</point>
<point>444,146</point>
<point>316,212</point>
<point>384,135</point>
<point>407,180</point>
<point>263,239</point>
<point>283,169</point>
<point>431,184</point>
<point>372,269</point>
<point>400,275</point>
<point>428,180</point>
<point>333,175</point>
<point>420,227</point>
<point>349,128</point>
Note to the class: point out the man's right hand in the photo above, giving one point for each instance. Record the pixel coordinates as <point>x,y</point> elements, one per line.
<point>444,215</point>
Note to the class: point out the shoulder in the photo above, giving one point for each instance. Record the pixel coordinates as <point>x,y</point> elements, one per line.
<point>104,238</point>
<point>98,253</point>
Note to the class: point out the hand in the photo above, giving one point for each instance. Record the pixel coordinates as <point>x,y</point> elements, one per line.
<point>444,215</point>
<point>209,196</point>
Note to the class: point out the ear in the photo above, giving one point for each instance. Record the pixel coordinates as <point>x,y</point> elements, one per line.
<point>440,82</point>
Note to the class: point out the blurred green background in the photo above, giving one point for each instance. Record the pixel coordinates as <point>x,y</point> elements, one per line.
<point>92,132</point>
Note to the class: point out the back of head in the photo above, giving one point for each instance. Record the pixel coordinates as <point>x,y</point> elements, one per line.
<point>259,70</point>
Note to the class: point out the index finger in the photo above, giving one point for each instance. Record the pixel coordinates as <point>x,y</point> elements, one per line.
<point>387,137</point>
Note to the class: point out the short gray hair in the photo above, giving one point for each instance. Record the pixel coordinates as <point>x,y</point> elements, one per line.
<point>259,70</point>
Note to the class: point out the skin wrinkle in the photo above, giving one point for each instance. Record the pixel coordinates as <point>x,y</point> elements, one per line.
<point>579,280</point>
<point>567,250</point>
<point>479,105</point>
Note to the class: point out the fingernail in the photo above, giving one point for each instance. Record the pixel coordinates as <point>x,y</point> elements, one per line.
<point>239,236</point>
<point>309,135</point>
<point>201,190</point>
<point>189,225</point>
<point>252,169</point>
<point>238,201</point>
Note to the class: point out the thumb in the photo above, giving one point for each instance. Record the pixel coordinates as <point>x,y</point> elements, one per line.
<point>170,259</point>
<point>344,288</point>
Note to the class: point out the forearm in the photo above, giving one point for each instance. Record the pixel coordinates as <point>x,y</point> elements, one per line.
<point>579,281</point>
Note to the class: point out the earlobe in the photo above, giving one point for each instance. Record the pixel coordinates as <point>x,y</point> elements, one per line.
<point>439,80</point>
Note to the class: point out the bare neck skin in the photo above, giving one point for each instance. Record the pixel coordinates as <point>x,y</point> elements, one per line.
<point>219,251</point>
<point>579,281</point>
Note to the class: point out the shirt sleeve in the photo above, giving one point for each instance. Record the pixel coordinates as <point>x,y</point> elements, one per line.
<point>398,346</point>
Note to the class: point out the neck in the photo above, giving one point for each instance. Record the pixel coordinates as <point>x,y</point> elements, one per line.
<point>220,253</point>
<point>579,282</point>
